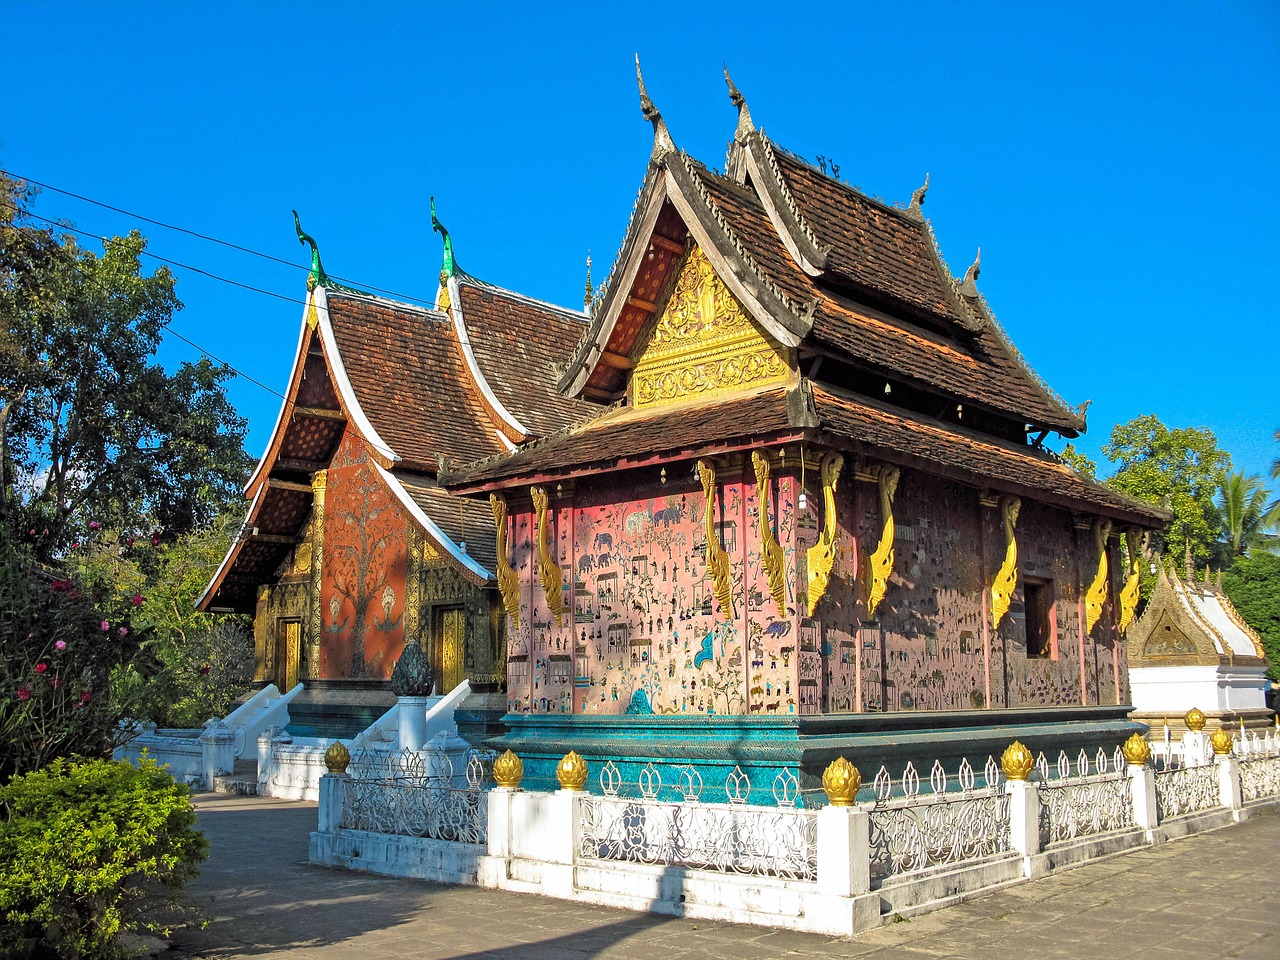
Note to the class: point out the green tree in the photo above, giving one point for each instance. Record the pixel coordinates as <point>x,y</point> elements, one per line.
<point>1178,469</point>
<point>92,428</point>
<point>1078,462</point>
<point>1246,514</point>
<point>1253,585</point>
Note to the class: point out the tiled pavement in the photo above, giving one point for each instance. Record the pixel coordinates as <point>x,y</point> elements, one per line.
<point>1206,896</point>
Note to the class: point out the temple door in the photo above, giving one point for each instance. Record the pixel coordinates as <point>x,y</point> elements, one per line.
<point>450,630</point>
<point>288,653</point>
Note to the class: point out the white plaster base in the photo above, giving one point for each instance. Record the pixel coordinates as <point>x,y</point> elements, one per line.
<point>395,856</point>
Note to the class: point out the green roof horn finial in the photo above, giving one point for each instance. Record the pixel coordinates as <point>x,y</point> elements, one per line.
<point>448,266</point>
<point>317,276</point>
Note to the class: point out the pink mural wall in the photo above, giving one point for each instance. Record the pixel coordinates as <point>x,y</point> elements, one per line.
<point>641,622</point>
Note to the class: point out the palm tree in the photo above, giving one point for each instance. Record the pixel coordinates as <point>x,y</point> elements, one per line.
<point>1247,515</point>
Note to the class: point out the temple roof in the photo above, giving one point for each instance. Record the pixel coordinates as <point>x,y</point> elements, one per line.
<point>1189,623</point>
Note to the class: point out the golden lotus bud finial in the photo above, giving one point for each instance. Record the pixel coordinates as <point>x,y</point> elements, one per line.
<point>1016,761</point>
<point>1194,719</point>
<point>841,780</point>
<point>1221,741</point>
<point>572,771</point>
<point>1136,750</point>
<point>337,757</point>
<point>508,770</point>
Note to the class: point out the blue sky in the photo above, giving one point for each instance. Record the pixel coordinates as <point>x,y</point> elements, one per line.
<point>1115,162</point>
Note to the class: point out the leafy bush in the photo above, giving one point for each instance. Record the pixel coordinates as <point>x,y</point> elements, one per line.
<point>89,850</point>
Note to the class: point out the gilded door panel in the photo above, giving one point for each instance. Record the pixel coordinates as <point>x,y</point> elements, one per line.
<point>288,653</point>
<point>450,632</point>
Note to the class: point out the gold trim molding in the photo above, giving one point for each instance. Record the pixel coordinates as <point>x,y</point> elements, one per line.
<point>880,567</point>
<point>508,579</point>
<point>1006,578</point>
<point>822,555</point>
<point>772,557</point>
<point>717,559</point>
<point>548,570</point>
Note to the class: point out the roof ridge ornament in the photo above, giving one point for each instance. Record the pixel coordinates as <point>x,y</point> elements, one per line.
<point>316,276</point>
<point>917,199</point>
<point>745,125</point>
<point>970,285</point>
<point>448,266</point>
<point>662,142</point>
<point>588,292</point>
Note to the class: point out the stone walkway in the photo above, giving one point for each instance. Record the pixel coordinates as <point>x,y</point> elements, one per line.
<point>1207,896</point>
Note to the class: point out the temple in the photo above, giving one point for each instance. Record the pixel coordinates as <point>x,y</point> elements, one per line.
<point>350,548</point>
<point>1190,649</point>
<point>811,512</point>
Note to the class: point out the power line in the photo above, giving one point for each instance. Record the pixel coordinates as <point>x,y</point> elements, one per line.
<point>210,239</point>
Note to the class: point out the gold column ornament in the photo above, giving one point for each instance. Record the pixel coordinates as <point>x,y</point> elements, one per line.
<point>1095,597</point>
<point>1221,742</point>
<point>881,564</point>
<point>717,559</point>
<point>1194,719</point>
<point>1016,761</point>
<point>841,781</point>
<point>1136,750</point>
<point>822,555</point>
<point>508,579</point>
<point>571,771</point>
<point>1006,578</point>
<point>315,615</point>
<point>548,569</point>
<point>508,771</point>
<point>1129,592</point>
<point>772,557</point>
<point>337,757</point>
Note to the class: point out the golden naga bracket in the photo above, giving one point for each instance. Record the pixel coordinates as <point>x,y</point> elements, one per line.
<point>508,579</point>
<point>717,559</point>
<point>881,564</point>
<point>1006,578</point>
<point>1129,592</point>
<point>1095,597</point>
<point>548,569</point>
<point>772,557</point>
<point>822,555</point>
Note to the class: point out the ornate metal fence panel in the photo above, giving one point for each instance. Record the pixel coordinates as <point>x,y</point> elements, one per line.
<point>914,833</point>
<point>1259,777</point>
<point>412,794</point>
<point>728,837</point>
<point>1185,790</point>
<point>1086,806</point>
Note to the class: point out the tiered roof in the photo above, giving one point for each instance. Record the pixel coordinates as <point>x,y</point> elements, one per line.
<point>895,357</point>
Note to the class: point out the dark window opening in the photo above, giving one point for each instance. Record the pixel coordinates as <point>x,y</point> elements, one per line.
<point>1040,619</point>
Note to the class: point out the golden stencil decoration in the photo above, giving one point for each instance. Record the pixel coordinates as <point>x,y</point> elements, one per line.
<point>1006,578</point>
<point>717,559</point>
<point>822,555</point>
<point>1129,592</point>
<point>881,564</point>
<point>508,579</point>
<point>772,557</point>
<point>1095,597</point>
<point>548,569</point>
<point>704,343</point>
<point>302,558</point>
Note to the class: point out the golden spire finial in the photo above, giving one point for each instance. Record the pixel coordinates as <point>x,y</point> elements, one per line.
<point>589,290</point>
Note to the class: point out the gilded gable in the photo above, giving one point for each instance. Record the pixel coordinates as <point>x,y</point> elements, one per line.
<point>704,343</point>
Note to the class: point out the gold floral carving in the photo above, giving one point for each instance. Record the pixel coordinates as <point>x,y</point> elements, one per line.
<point>1136,750</point>
<point>772,557</point>
<point>508,771</point>
<point>881,564</point>
<point>841,781</point>
<point>1194,719</point>
<point>337,757</point>
<point>1220,740</point>
<point>548,569</point>
<point>822,555</point>
<point>1016,761</point>
<point>508,579</point>
<point>704,343</point>
<point>1129,592</point>
<point>1095,598</point>
<point>717,559</point>
<point>1006,578</point>
<point>571,771</point>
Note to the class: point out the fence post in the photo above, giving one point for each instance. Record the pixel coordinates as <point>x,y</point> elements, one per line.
<point>333,794</point>
<point>265,756</point>
<point>1229,785</point>
<point>1024,822</point>
<point>844,851</point>
<point>217,751</point>
<point>1142,788</point>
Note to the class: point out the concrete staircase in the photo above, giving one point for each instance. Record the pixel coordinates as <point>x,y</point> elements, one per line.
<point>242,780</point>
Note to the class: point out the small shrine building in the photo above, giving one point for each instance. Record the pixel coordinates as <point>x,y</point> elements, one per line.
<point>350,548</point>
<point>812,513</point>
